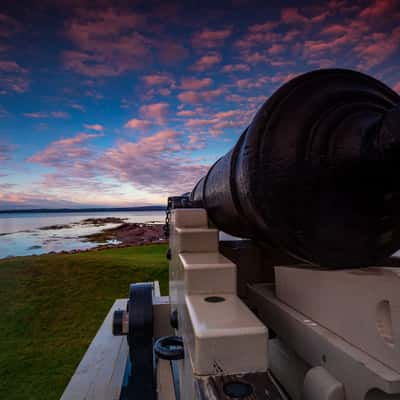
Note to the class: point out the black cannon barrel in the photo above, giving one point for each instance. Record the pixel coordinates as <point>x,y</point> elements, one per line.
<point>316,172</point>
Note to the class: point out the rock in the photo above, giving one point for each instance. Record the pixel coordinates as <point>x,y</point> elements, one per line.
<point>55,227</point>
<point>103,221</point>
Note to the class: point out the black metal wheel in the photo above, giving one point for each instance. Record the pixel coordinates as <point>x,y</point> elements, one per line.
<point>141,384</point>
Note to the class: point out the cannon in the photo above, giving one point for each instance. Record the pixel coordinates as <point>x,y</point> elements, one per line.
<point>315,172</point>
<point>302,301</point>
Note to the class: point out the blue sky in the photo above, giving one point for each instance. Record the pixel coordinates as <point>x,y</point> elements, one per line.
<point>124,103</point>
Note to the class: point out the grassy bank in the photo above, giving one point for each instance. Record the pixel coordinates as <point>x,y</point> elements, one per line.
<point>51,307</point>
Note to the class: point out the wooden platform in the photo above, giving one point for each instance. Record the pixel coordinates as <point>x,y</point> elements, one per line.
<point>100,373</point>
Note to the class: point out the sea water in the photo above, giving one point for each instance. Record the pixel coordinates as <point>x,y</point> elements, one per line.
<point>20,233</point>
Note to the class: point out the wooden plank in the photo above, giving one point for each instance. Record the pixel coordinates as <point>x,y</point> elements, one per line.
<point>162,310</point>
<point>157,292</point>
<point>165,385</point>
<point>100,373</point>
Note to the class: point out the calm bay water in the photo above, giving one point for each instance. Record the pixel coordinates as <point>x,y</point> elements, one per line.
<point>20,234</point>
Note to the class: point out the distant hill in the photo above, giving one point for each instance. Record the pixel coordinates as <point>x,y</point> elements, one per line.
<point>74,210</point>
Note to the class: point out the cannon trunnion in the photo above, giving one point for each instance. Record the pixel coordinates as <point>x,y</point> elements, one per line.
<point>315,172</point>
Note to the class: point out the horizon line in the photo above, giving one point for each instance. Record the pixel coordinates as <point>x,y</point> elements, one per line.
<point>85,209</point>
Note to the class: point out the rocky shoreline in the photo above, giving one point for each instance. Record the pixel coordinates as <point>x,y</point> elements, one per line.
<point>113,232</point>
<point>129,234</point>
<point>125,235</point>
<point>88,221</point>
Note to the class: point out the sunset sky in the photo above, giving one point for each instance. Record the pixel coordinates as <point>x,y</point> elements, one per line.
<point>124,103</point>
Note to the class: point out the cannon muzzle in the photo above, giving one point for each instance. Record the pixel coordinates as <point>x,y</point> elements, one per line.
<point>315,172</point>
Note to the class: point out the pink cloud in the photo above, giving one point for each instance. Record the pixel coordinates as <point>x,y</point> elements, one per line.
<point>9,26</point>
<point>17,85</point>
<point>13,77</point>
<point>211,38</point>
<point>396,87</point>
<point>316,47</point>
<point>362,35</point>
<point>11,66</point>
<point>282,63</point>
<point>198,122</point>
<point>206,62</point>
<point>378,8</point>
<point>250,83</point>
<point>251,40</point>
<point>254,58</point>
<point>377,48</point>
<point>3,112</point>
<point>195,143</point>
<point>258,40</point>
<point>276,49</point>
<point>193,97</point>
<point>140,124</point>
<point>227,114</point>
<point>13,199</point>
<point>186,113</point>
<point>236,98</point>
<point>165,140</point>
<point>36,115</point>
<point>59,114</point>
<point>284,77</point>
<point>292,16</point>
<point>218,122</point>
<point>265,27</point>
<point>261,81</point>
<point>320,17</point>
<point>95,127</point>
<point>5,152</point>
<point>334,29</point>
<point>195,84</point>
<point>236,68</point>
<point>108,44</point>
<point>156,112</point>
<point>43,115</point>
<point>65,151</point>
<point>165,92</point>
<point>151,162</point>
<point>79,107</point>
<point>323,62</point>
<point>158,80</point>
<point>190,97</point>
<point>170,51</point>
<point>291,35</point>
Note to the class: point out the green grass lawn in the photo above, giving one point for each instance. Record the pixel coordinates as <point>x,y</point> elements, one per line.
<point>51,307</point>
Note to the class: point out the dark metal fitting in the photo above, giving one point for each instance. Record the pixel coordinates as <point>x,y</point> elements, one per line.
<point>169,254</point>
<point>120,323</point>
<point>169,348</point>
<point>173,319</point>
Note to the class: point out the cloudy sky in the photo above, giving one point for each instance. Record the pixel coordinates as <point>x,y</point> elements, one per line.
<point>123,103</point>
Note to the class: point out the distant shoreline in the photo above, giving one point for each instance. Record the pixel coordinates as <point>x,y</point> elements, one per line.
<point>80,210</point>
